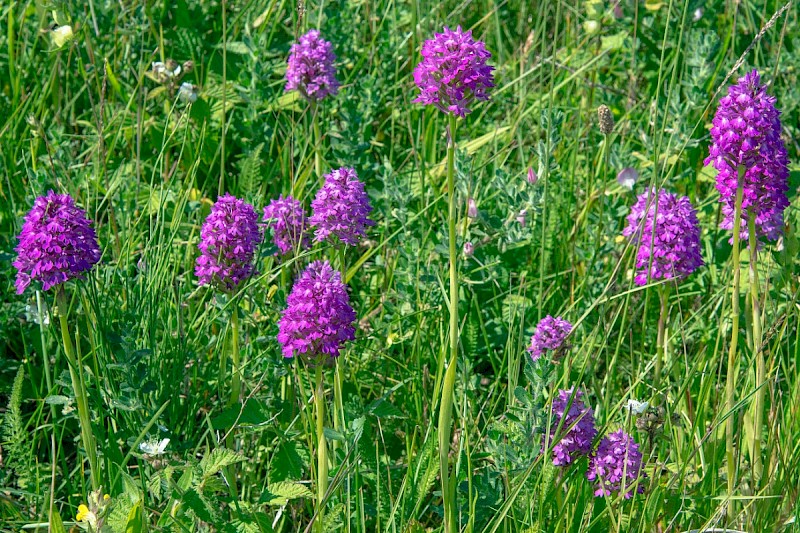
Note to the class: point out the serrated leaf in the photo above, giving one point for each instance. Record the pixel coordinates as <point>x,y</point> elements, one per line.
<point>281,492</point>
<point>218,459</point>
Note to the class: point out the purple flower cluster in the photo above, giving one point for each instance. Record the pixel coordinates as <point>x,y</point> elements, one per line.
<point>286,218</point>
<point>453,72</point>
<point>56,244</point>
<point>550,334</point>
<point>577,427</point>
<point>746,133</point>
<point>341,207</point>
<point>665,229</point>
<point>310,67</point>
<point>616,465</point>
<point>228,241</point>
<point>318,319</point>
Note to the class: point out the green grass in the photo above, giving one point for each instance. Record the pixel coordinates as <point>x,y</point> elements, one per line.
<point>84,118</point>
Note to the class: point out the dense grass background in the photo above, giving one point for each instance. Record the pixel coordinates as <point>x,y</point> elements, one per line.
<point>85,118</point>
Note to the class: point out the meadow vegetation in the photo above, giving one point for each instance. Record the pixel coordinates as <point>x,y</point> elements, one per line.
<point>539,277</point>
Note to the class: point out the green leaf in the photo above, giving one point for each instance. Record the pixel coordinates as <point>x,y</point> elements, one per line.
<point>384,409</point>
<point>218,459</point>
<point>135,523</point>
<point>236,47</point>
<point>288,462</point>
<point>281,492</point>
<point>57,399</point>
<point>199,505</point>
<point>332,434</point>
<point>254,413</point>
<point>56,525</point>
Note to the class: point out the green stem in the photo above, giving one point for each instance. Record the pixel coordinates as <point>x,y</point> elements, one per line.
<point>236,380</point>
<point>338,405</point>
<point>236,387</point>
<point>80,391</point>
<point>45,357</point>
<point>661,347</point>
<point>317,140</point>
<point>446,404</point>
<point>322,450</point>
<point>730,384</point>
<point>758,403</point>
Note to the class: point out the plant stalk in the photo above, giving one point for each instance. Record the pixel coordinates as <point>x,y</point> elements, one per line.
<point>730,384</point>
<point>317,140</point>
<point>79,388</point>
<point>322,450</point>
<point>446,404</point>
<point>758,403</point>
<point>661,347</point>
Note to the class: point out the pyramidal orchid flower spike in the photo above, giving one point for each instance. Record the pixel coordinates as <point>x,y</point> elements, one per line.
<point>453,72</point>
<point>56,244</point>
<point>616,465</point>
<point>318,318</point>
<point>664,228</point>
<point>746,133</point>
<point>286,218</point>
<point>228,241</point>
<point>340,208</point>
<point>550,335</point>
<point>310,68</point>
<point>577,427</point>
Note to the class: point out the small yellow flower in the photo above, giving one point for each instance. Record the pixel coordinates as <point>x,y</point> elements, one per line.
<point>106,497</point>
<point>83,513</point>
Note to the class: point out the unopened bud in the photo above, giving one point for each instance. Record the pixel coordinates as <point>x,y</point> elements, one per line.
<point>469,249</point>
<point>472,208</point>
<point>606,119</point>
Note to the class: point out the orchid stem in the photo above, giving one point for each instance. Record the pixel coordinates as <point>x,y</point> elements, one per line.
<point>730,384</point>
<point>80,390</point>
<point>322,450</point>
<point>446,404</point>
<point>758,403</point>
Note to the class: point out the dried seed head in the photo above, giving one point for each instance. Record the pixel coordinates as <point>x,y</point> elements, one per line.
<point>606,119</point>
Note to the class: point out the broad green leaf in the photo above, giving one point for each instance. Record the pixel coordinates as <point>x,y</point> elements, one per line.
<point>218,459</point>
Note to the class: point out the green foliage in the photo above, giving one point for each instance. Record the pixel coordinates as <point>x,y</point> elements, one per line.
<point>82,111</point>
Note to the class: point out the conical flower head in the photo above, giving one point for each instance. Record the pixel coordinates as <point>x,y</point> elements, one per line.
<point>56,244</point>
<point>286,218</point>
<point>310,68</point>
<point>453,72</point>
<point>341,207</point>
<point>577,427</point>
<point>318,318</point>
<point>228,241</point>
<point>746,133</point>
<point>549,335</point>
<point>664,228</point>
<point>616,465</point>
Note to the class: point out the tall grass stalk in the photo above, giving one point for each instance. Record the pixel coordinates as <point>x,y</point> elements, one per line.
<point>446,404</point>
<point>322,448</point>
<point>79,387</point>
<point>758,403</point>
<point>730,383</point>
